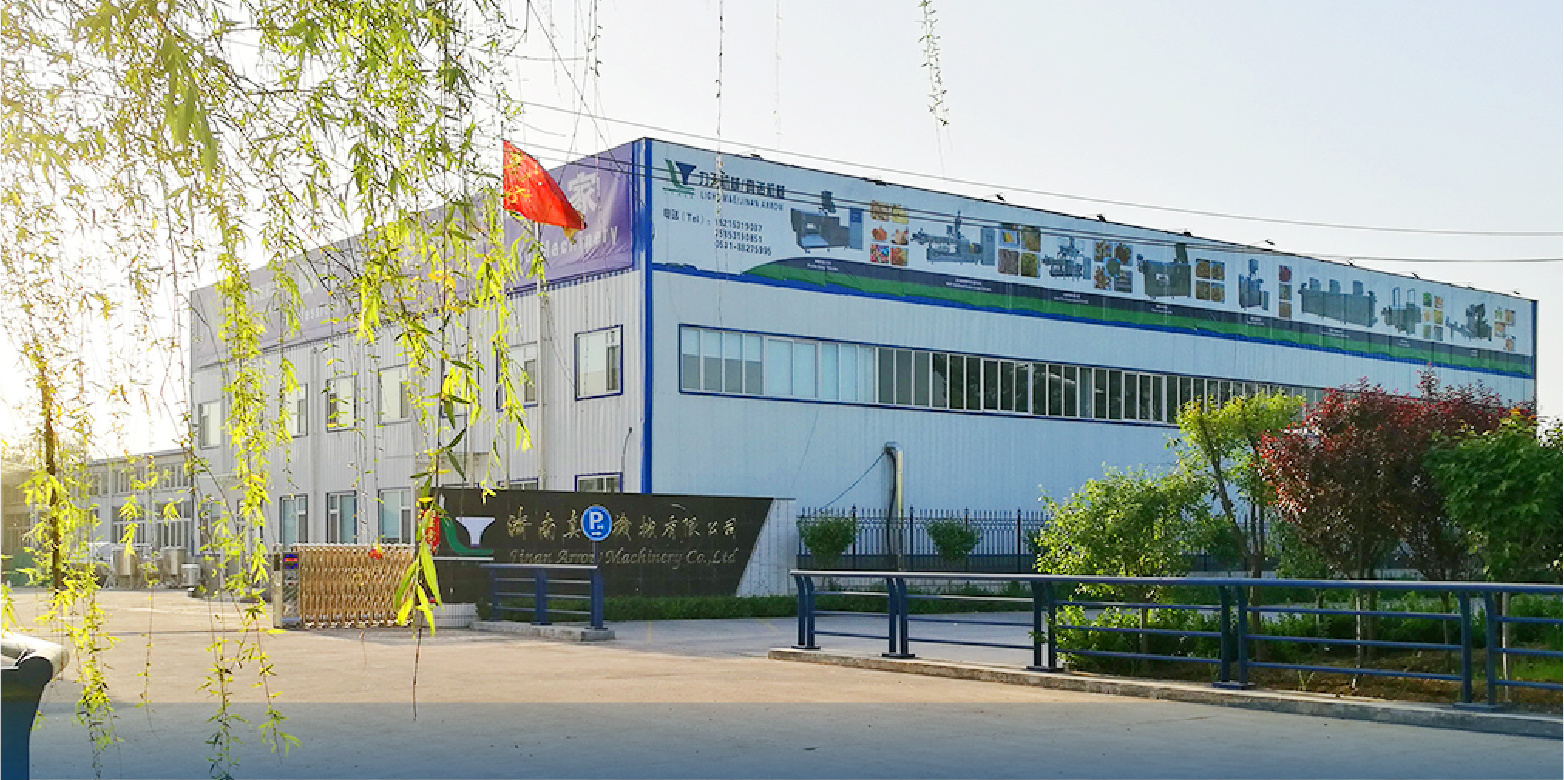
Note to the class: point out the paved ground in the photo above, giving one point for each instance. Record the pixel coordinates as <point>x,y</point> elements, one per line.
<point>688,699</point>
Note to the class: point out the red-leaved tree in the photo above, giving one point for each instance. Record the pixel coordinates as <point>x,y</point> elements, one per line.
<point>1350,476</point>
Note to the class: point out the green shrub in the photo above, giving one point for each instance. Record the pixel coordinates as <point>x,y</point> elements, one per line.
<point>827,538</point>
<point>953,539</point>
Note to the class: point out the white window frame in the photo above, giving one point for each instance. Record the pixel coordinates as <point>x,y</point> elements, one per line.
<point>600,483</point>
<point>334,518</point>
<point>524,372</point>
<point>397,502</point>
<point>341,403</point>
<point>599,363</point>
<point>209,423</point>
<point>392,395</point>
<point>296,411</point>
<point>294,507</point>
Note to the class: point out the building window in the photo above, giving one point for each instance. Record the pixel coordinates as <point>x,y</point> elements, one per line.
<point>392,395</point>
<point>293,520</point>
<point>342,517</point>
<point>597,483</point>
<point>523,484</point>
<point>732,363</point>
<point>209,424</point>
<point>396,515</point>
<point>340,403</point>
<point>523,374</point>
<point>296,410</point>
<point>597,363</point>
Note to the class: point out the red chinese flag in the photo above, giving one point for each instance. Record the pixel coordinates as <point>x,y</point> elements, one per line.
<point>533,194</point>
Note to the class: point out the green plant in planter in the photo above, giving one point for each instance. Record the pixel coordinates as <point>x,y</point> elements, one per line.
<point>828,537</point>
<point>953,539</point>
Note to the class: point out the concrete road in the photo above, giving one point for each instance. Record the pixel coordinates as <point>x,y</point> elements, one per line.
<point>685,699</point>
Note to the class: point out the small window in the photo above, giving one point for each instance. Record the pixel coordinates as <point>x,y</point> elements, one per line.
<point>393,395</point>
<point>754,367</point>
<point>342,518</point>
<point>209,425</point>
<point>396,515</point>
<point>598,483</point>
<point>523,360</point>
<point>974,383</point>
<point>779,367</point>
<point>1077,395</point>
<point>920,379</point>
<point>803,369</point>
<point>1115,394</point>
<point>711,361</point>
<point>990,385</point>
<point>293,519</point>
<point>941,376</point>
<point>1055,391</point>
<point>830,381</point>
<point>958,382</point>
<point>523,484</point>
<point>340,403</point>
<point>597,363</point>
<point>296,410</point>
<point>847,372</point>
<point>887,374</point>
<point>732,363</point>
<point>689,359</point>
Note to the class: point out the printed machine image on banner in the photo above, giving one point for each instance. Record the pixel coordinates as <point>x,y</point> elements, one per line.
<point>789,225</point>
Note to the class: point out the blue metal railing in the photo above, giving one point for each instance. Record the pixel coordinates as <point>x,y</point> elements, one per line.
<point>503,579</point>
<point>1239,623</point>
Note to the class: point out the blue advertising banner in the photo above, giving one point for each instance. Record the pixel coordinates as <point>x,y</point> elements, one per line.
<point>600,188</point>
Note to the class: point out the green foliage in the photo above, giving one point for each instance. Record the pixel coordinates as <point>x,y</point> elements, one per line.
<point>1222,443</point>
<point>1503,489</point>
<point>953,538</point>
<point>1127,642</point>
<point>1128,524</point>
<point>827,538</point>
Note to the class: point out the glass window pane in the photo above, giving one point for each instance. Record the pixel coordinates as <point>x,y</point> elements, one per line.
<point>848,370</point>
<point>991,385</point>
<point>904,377</point>
<point>975,381</point>
<point>732,363</point>
<point>1115,394</point>
<point>958,382</point>
<point>1076,393</point>
<point>1150,408</point>
<point>1040,378</point>
<point>1022,394</point>
<point>920,379</point>
<point>1099,385</point>
<point>1007,386</point>
<point>1156,400</point>
<point>1131,396</point>
<point>752,365</point>
<point>887,363</point>
<point>1055,385</point>
<point>941,377</point>
<point>779,367</point>
<point>711,361</point>
<point>803,369</point>
<point>829,381</point>
<point>868,370</point>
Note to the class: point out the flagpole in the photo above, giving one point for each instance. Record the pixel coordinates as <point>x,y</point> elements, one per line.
<point>537,381</point>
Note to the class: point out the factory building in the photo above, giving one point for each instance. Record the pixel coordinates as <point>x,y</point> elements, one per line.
<point>730,326</point>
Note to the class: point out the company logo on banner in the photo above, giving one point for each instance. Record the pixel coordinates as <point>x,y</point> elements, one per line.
<point>599,187</point>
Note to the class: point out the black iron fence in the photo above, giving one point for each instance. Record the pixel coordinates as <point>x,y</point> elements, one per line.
<point>1003,543</point>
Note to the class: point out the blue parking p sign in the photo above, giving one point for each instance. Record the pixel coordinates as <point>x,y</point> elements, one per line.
<point>596,523</point>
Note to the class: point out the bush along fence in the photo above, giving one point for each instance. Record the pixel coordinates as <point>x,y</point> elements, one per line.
<point>920,540</point>
<point>1240,630</point>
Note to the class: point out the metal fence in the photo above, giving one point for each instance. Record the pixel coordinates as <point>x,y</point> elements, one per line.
<point>1230,646</point>
<point>903,542</point>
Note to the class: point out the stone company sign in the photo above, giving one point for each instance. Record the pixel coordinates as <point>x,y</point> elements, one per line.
<point>657,546</point>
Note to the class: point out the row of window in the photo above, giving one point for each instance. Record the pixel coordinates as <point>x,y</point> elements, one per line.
<point>736,363</point>
<point>167,524</point>
<point>599,367</point>
<point>394,512</point>
<point>121,479</point>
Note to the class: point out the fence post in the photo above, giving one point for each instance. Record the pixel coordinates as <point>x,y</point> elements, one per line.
<point>1042,596</point>
<point>896,609</point>
<point>1053,625</point>
<point>597,598</point>
<point>494,599</point>
<point>539,597</point>
<point>892,625</point>
<point>806,613</point>
<point>1493,650</point>
<point>1019,557</point>
<point>1463,600</point>
<point>1225,624</point>
<point>1243,629</point>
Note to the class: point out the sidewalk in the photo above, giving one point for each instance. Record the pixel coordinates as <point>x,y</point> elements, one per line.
<point>687,699</point>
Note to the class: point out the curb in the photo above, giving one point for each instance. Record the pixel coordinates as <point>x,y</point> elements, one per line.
<point>563,633</point>
<point>1400,713</point>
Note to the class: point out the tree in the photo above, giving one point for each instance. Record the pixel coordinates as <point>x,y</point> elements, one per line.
<point>144,146</point>
<point>1350,476</point>
<point>1128,524</point>
<point>1502,488</point>
<point>1223,443</point>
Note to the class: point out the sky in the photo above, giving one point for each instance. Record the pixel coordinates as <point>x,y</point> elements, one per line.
<point>1419,115</point>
